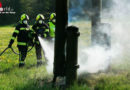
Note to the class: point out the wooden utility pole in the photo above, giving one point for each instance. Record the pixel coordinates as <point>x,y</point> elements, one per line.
<point>60,39</point>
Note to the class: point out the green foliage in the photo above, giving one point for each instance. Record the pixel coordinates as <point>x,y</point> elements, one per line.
<point>31,7</point>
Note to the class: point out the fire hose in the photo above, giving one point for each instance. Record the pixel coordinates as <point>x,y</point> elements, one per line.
<point>3,51</point>
<point>14,50</point>
<point>40,32</point>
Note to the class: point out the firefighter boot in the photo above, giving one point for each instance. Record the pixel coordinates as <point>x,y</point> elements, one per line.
<point>21,65</point>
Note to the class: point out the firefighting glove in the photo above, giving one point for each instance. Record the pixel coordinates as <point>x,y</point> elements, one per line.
<point>45,35</point>
<point>36,42</point>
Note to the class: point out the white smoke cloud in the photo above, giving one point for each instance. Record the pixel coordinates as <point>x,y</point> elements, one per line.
<point>120,13</point>
<point>97,58</point>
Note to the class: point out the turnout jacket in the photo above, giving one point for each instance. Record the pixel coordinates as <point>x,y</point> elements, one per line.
<point>40,29</point>
<point>22,33</point>
<point>51,29</point>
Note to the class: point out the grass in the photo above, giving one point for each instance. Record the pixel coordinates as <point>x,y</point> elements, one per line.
<point>114,82</point>
<point>32,78</point>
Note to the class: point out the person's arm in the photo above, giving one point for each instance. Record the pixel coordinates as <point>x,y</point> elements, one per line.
<point>49,29</point>
<point>46,32</point>
<point>34,28</point>
<point>15,33</point>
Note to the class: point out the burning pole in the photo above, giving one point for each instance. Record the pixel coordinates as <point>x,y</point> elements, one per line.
<point>96,19</point>
<point>100,31</point>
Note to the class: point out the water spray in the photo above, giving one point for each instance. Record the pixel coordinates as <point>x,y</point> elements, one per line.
<point>48,49</point>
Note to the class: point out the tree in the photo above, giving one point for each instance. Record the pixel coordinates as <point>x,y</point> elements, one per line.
<point>30,7</point>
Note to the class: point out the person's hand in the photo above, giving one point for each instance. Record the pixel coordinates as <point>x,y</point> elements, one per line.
<point>45,35</point>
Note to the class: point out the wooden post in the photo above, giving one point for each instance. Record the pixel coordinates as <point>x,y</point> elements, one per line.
<point>72,55</point>
<point>60,39</point>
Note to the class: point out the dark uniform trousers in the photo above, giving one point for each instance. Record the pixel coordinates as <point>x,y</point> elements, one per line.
<point>22,53</point>
<point>38,51</point>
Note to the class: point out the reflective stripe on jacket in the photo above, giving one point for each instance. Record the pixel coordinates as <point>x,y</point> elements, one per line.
<point>52,29</point>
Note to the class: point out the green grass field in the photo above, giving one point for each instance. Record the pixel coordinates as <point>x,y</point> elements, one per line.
<point>32,78</point>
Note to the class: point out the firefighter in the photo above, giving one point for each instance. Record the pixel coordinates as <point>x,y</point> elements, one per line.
<point>21,32</point>
<point>51,24</point>
<point>40,28</point>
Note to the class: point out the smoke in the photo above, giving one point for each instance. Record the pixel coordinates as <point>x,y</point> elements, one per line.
<point>48,49</point>
<point>120,13</point>
<point>95,60</point>
<point>98,58</point>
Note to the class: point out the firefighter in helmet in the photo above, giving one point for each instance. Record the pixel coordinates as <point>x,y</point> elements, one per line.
<point>21,32</point>
<point>40,29</point>
<point>51,24</point>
